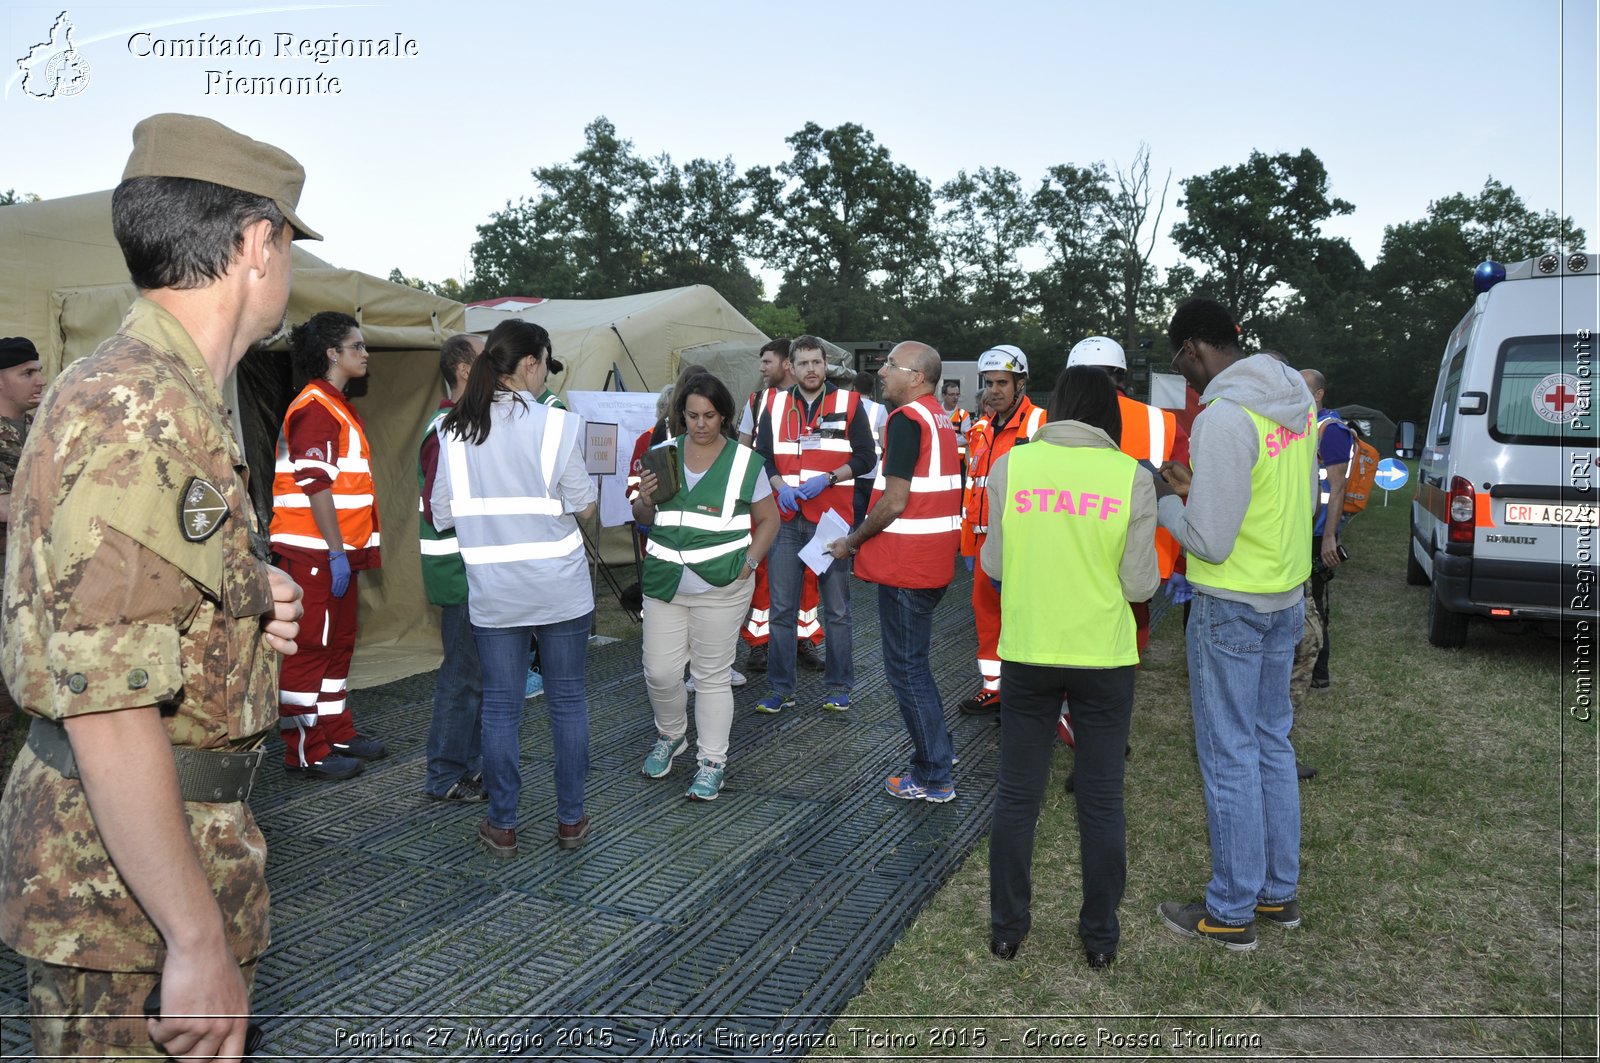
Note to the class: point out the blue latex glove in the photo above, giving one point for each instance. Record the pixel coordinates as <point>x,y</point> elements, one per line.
<point>814,486</point>
<point>995,584</point>
<point>971,562</point>
<point>788,499</point>
<point>339,568</point>
<point>1179,588</point>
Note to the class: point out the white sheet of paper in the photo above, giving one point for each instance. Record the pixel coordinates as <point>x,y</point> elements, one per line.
<point>815,553</point>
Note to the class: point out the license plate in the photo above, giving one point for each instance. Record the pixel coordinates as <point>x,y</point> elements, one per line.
<point>1534,513</point>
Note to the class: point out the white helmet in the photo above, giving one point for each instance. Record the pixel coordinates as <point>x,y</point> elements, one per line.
<point>1005,358</point>
<point>1098,350</point>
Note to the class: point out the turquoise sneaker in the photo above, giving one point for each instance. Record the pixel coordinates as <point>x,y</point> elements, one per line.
<point>534,685</point>
<point>707,781</point>
<point>659,762</point>
<point>775,703</point>
<point>838,701</point>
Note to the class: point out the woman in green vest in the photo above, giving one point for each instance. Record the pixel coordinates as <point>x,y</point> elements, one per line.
<point>1071,519</point>
<point>706,542</point>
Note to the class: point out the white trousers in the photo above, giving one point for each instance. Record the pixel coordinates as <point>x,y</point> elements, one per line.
<point>702,630</point>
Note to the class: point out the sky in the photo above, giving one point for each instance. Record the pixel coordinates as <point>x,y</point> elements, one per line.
<point>1404,102</point>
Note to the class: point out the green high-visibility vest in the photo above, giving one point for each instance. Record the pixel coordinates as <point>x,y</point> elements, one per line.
<point>444,575</point>
<point>1270,555</point>
<point>706,528</point>
<point>1065,526</point>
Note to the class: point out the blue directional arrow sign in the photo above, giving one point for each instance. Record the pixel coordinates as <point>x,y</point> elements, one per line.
<point>1392,474</point>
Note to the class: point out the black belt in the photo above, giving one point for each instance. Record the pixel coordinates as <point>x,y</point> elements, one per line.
<point>211,776</point>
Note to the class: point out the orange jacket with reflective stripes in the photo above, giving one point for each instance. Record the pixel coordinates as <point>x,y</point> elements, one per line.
<point>1148,433</point>
<point>347,465</point>
<point>984,448</point>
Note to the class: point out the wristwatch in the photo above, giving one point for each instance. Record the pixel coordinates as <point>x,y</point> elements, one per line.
<point>833,479</point>
<point>751,563</point>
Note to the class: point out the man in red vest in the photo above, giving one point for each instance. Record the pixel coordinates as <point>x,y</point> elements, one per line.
<point>777,374</point>
<point>907,546</point>
<point>815,440</point>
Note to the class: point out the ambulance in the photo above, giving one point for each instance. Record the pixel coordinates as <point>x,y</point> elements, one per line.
<point>1505,521</point>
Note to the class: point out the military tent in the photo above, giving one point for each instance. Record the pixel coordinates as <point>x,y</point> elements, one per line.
<point>64,285</point>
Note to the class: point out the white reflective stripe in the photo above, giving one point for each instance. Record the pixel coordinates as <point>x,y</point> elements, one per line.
<point>804,630</point>
<point>980,529</point>
<point>693,557</point>
<point>759,631</point>
<point>677,518</point>
<point>333,686</point>
<point>330,708</point>
<point>420,507</point>
<point>991,685</point>
<point>760,614</point>
<point>493,555</point>
<point>306,720</point>
<point>1035,421</point>
<point>300,501</point>
<point>515,506</point>
<point>297,697</point>
<point>741,468</point>
<point>980,481</point>
<point>1158,435</point>
<point>355,465</point>
<point>924,525</point>
<point>292,467</point>
<point>439,547</point>
<point>550,447</point>
<point>789,449</point>
<point>989,667</point>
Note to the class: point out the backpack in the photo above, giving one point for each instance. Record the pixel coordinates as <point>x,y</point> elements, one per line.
<point>1362,471</point>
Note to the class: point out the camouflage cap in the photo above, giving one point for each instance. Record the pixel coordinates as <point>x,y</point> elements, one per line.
<point>186,145</point>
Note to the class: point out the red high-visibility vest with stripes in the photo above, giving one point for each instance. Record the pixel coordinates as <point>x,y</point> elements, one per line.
<point>799,457</point>
<point>918,548</point>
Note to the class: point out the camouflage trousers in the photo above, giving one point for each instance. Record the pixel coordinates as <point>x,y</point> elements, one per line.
<point>83,1014</point>
<point>1305,655</point>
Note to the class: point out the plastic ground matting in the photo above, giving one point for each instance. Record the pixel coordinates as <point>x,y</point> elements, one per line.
<point>737,928</point>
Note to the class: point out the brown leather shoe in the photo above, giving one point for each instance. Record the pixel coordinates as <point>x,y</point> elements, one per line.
<point>572,835</point>
<point>501,843</point>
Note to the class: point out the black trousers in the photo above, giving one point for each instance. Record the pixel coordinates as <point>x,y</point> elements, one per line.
<point>1102,712</point>
<point>1321,576</point>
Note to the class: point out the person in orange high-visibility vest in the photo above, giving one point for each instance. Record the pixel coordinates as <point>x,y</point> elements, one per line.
<point>1149,433</point>
<point>1008,416</point>
<point>324,532</point>
<point>960,419</point>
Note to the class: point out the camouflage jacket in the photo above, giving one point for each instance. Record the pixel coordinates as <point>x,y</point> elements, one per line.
<point>12,435</point>
<point>132,586</point>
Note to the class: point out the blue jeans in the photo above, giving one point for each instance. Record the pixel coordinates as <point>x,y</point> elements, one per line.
<point>785,571</point>
<point>504,653</point>
<point>455,736</point>
<point>1239,665</point>
<point>905,617</point>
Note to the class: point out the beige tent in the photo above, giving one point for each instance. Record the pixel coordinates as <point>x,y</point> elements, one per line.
<point>64,285</point>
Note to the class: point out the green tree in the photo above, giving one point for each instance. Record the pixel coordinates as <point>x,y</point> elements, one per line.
<point>1255,225</point>
<point>450,288</point>
<point>850,228</point>
<point>1423,282</point>
<point>692,224</point>
<point>11,195</point>
<point>989,221</point>
<point>1075,290</point>
<point>576,240</point>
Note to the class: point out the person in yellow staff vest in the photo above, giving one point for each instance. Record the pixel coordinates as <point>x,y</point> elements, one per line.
<point>1151,434</point>
<point>1070,518</point>
<point>1008,417</point>
<point>1245,527</point>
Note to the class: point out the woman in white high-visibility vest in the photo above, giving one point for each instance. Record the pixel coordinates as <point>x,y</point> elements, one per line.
<point>705,545</point>
<point>511,482</point>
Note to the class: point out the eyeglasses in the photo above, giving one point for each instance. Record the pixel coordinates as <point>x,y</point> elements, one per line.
<point>902,368</point>
<point>351,347</point>
<point>1178,353</point>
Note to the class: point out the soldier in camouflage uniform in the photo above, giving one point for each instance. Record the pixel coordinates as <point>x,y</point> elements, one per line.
<point>141,626</point>
<point>21,385</point>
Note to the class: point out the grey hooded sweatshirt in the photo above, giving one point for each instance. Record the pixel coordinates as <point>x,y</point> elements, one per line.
<point>1223,447</point>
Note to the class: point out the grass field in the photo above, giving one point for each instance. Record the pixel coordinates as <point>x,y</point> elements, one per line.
<point>1448,872</point>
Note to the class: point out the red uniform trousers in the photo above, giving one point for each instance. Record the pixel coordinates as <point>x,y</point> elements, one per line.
<point>312,710</point>
<point>756,629</point>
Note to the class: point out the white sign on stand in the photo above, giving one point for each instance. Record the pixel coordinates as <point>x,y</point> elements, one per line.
<point>633,412</point>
